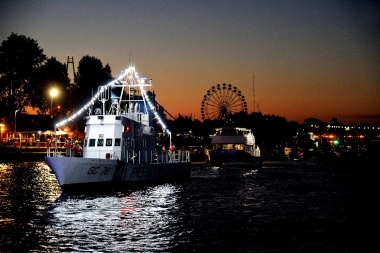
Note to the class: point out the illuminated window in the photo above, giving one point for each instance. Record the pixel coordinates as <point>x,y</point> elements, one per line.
<point>239,146</point>
<point>108,142</point>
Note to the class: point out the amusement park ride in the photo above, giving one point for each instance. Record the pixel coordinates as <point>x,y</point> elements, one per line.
<point>222,100</point>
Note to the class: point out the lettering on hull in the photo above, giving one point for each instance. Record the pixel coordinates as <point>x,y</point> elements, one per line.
<point>156,172</point>
<point>98,170</point>
<point>147,172</point>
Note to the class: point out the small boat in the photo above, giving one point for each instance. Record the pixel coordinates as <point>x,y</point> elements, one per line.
<point>119,147</point>
<point>234,148</point>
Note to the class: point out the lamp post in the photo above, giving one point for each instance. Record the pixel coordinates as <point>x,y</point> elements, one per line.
<point>2,128</point>
<point>53,93</point>
<point>15,121</point>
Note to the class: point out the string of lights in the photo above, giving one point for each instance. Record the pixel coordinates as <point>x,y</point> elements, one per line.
<point>153,110</point>
<point>132,74</point>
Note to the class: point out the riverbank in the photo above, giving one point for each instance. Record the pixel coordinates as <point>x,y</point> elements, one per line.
<point>36,154</point>
<point>11,154</point>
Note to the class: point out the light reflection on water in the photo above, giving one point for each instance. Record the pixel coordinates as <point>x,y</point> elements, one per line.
<point>26,190</point>
<point>35,215</point>
<point>146,219</point>
<point>276,209</point>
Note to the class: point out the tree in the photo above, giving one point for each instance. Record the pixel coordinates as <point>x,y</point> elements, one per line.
<point>20,57</point>
<point>91,74</point>
<point>335,122</point>
<point>313,122</point>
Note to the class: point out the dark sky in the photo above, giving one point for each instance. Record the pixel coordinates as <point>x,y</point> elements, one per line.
<point>312,58</point>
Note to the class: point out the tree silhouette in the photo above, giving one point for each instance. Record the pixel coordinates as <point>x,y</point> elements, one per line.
<point>20,57</point>
<point>91,74</point>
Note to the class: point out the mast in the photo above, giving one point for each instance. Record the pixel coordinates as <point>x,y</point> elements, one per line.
<point>253,90</point>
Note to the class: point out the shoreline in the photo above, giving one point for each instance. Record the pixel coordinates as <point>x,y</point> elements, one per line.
<point>32,154</point>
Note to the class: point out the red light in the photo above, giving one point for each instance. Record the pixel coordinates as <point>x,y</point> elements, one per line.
<point>127,129</point>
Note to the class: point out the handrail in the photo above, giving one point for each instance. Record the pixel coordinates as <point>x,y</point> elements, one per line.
<point>177,156</point>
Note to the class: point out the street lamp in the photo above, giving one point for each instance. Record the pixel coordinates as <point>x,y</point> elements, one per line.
<point>53,93</point>
<point>2,128</point>
<point>15,120</point>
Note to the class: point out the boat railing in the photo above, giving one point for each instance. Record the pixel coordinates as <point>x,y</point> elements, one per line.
<point>69,152</point>
<point>53,152</point>
<point>177,156</point>
<point>151,157</point>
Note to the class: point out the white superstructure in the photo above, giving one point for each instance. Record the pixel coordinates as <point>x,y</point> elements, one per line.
<point>119,144</point>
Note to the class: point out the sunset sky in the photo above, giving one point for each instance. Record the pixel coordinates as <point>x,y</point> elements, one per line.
<point>314,58</point>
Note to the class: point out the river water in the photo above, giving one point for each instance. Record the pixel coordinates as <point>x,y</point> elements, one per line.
<point>283,207</point>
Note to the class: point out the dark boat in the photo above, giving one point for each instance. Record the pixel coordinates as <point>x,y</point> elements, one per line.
<point>234,148</point>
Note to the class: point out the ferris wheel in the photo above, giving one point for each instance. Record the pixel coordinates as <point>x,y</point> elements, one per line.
<point>222,100</point>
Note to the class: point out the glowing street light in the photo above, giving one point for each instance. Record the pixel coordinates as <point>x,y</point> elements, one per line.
<point>2,128</point>
<point>53,93</point>
<point>15,120</point>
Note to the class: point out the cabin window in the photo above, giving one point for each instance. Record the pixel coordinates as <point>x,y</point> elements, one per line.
<point>117,142</point>
<point>100,142</point>
<point>92,143</point>
<point>108,142</point>
<point>85,143</point>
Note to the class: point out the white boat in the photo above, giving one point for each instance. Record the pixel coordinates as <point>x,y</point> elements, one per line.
<point>119,147</point>
<point>234,148</point>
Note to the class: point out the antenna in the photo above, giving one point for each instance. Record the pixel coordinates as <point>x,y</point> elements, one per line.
<point>253,89</point>
<point>130,55</point>
<point>104,95</point>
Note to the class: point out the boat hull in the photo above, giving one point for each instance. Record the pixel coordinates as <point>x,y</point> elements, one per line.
<point>234,160</point>
<point>74,173</point>
<point>238,166</point>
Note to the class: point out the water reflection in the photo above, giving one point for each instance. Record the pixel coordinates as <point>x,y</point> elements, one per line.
<point>278,208</point>
<point>145,220</point>
<point>26,189</point>
<point>35,215</point>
